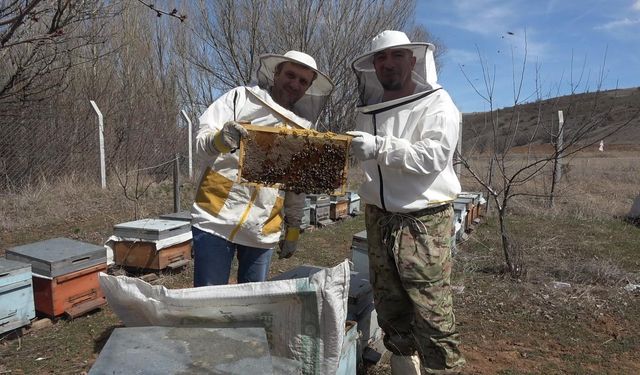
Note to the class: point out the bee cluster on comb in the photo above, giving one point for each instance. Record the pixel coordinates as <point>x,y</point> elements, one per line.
<point>297,160</point>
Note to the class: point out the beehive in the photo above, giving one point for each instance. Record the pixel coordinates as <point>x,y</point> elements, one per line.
<point>339,207</point>
<point>354,202</point>
<point>185,350</point>
<point>360,253</point>
<point>65,275</point>
<point>16,295</point>
<point>298,160</point>
<point>144,254</point>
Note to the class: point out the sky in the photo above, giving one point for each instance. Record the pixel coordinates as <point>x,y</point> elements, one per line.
<point>562,44</point>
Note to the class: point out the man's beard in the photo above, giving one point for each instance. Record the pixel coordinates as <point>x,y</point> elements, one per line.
<point>392,85</point>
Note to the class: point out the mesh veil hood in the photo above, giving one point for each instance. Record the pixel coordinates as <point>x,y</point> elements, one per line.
<point>423,74</point>
<point>311,104</point>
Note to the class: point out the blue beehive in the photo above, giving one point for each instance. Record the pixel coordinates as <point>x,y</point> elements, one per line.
<point>306,214</point>
<point>360,253</point>
<point>354,203</point>
<point>320,208</point>
<point>349,354</point>
<point>361,328</point>
<point>16,295</point>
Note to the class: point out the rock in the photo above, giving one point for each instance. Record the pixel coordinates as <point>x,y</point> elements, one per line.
<point>41,324</point>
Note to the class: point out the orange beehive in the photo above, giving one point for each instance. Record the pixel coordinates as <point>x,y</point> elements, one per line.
<point>339,208</point>
<point>65,274</point>
<point>142,254</point>
<point>72,294</point>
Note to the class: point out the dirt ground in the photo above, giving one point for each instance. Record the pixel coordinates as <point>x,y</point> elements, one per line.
<point>573,310</point>
<point>508,326</point>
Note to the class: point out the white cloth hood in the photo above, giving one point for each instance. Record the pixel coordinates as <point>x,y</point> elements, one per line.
<point>312,103</point>
<point>424,72</point>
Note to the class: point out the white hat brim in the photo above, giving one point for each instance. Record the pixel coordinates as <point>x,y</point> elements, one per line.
<point>364,62</point>
<point>321,86</point>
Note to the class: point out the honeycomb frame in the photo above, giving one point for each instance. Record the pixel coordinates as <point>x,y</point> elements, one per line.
<point>299,160</point>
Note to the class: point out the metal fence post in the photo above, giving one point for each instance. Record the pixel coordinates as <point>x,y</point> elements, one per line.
<point>103,172</point>
<point>176,184</point>
<point>459,147</point>
<point>184,114</point>
<point>560,144</point>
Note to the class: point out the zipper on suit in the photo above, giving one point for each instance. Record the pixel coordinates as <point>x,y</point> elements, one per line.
<point>375,133</point>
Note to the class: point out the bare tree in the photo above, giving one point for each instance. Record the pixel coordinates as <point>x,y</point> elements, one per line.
<point>228,37</point>
<point>40,41</point>
<point>506,174</point>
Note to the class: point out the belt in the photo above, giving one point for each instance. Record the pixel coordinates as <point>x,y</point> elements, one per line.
<point>423,212</point>
<point>430,210</point>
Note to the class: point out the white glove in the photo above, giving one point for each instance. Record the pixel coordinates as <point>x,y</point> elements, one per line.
<point>228,139</point>
<point>364,146</point>
<point>289,244</point>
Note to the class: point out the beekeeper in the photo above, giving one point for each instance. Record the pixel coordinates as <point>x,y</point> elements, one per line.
<point>406,134</point>
<point>233,219</point>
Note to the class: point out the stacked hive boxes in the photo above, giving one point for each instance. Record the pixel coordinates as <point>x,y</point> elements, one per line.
<point>468,208</point>
<point>361,306</point>
<point>320,208</point>
<point>339,207</point>
<point>354,203</point>
<point>153,243</point>
<point>65,275</point>
<point>306,214</point>
<point>16,295</point>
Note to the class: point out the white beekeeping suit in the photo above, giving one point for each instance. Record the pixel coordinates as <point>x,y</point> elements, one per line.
<point>245,214</point>
<point>406,134</point>
<point>416,137</point>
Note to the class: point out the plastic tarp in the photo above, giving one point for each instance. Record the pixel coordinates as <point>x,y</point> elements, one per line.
<point>304,318</point>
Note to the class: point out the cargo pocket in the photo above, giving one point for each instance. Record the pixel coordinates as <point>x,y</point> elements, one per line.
<point>213,191</point>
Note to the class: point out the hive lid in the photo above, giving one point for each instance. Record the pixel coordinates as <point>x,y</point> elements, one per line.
<point>185,350</point>
<point>181,216</point>
<point>151,229</point>
<point>8,266</point>
<point>360,240</point>
<point>58,256</point>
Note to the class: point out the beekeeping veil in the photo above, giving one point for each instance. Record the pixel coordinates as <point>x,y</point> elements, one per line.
<point>424,71</point>
<point>312,103</point>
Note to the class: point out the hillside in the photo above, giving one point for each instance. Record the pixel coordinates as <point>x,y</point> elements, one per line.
<point>599,112</point>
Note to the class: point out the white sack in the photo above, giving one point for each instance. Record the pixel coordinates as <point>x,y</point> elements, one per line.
<point>304,318</point>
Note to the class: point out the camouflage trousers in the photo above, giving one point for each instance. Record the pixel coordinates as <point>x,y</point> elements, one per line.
<point>410,271</point>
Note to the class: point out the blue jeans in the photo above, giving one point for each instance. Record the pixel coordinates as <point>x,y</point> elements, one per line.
<point>213,255</point>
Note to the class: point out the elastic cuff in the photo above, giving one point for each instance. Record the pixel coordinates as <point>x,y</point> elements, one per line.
<point>219,144</point>
<point>292,234</point>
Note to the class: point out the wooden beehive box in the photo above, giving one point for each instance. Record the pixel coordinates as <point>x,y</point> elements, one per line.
<point>142,254</point>
<point>72,294</point>
<point>339,207</point>
<point>16,295</point>
<point>298,160</point>
<point>65,275</point>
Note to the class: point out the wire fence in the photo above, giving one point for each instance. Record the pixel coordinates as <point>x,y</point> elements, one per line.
<point>40,146</point>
